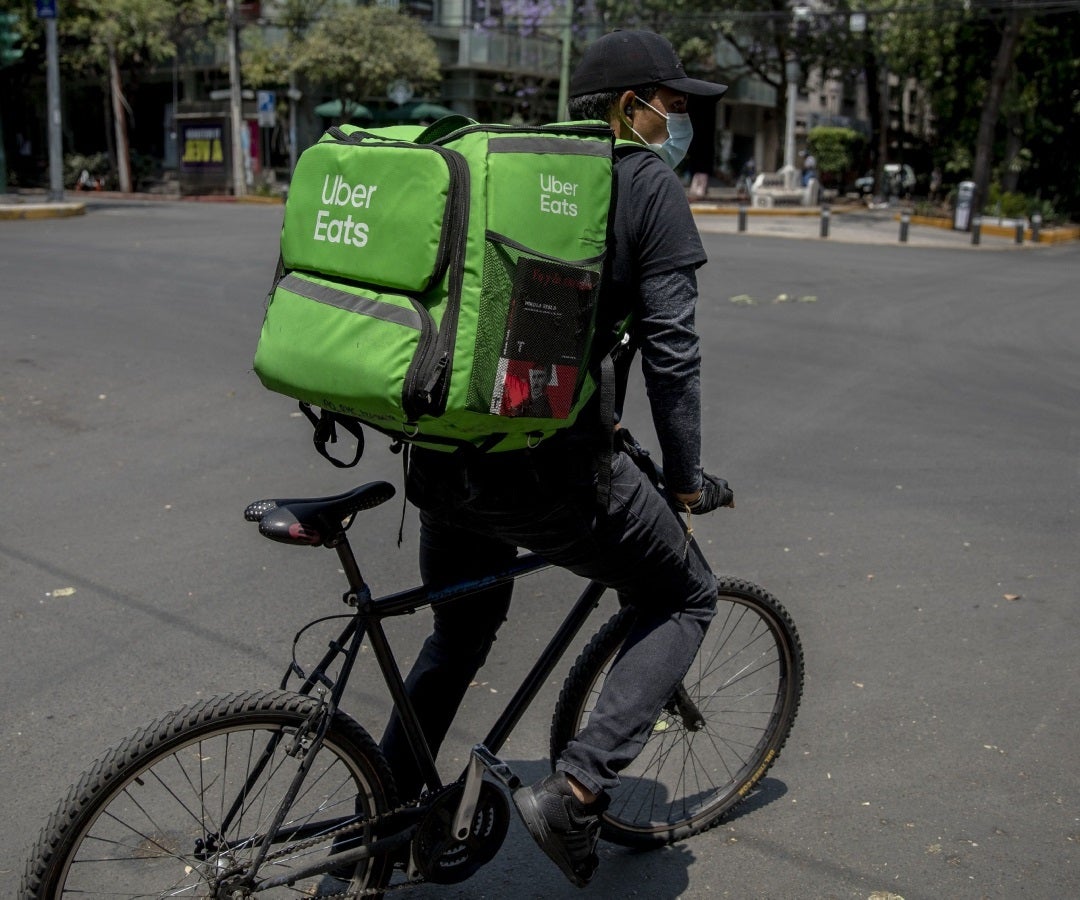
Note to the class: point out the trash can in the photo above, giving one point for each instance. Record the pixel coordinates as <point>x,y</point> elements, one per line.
<point>965,194</point>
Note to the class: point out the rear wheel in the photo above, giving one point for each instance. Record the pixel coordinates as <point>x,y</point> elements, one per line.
<point>720,733</point>
<point>181,807</point>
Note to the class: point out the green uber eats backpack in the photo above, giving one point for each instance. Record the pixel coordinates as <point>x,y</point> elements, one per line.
<point>441,285</point>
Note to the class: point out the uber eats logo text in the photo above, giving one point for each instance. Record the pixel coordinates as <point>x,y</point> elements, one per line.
<point>329,224</point>
<point>555,196</point>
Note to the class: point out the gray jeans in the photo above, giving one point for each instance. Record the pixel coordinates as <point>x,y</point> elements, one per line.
<point>474,518</point>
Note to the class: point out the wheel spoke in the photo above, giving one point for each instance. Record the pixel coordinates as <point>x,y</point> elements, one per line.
<point>189,801</point>
<point>742,692</point>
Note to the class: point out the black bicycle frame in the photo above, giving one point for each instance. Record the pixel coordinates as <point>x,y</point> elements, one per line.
<point>368,622</point>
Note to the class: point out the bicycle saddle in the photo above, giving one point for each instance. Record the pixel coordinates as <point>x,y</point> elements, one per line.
<point>310,521</point>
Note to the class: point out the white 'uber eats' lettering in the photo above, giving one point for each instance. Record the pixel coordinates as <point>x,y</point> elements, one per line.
<point>335,230</point>
<point>554,196</point>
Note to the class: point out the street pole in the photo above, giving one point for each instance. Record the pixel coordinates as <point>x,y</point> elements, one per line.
<point>800,16</point>
<point>293,97</point>
<point>235,114</point>
<point>564,63</point>
<point>56,144</point>
<point>792,73</point>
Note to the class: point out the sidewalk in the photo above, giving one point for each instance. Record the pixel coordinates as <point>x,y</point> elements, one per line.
<point>33,206</point>
<point>846,224</point>
<point>860,225</point>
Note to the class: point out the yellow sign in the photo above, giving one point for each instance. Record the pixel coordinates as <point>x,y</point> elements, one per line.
<point>202,146</point>
<point>197,150</point>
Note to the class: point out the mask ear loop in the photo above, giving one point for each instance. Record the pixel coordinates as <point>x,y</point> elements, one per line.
<point>629,124</point>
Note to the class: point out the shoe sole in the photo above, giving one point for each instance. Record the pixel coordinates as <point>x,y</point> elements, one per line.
<point>529,810</point>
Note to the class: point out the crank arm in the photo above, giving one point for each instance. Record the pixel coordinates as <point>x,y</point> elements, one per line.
<point>480,760</point>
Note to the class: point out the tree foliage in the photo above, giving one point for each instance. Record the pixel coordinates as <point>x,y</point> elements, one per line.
<point>140,32</point>
<point>360,50</point>
<point>836,150</point>
<point>268,58</point>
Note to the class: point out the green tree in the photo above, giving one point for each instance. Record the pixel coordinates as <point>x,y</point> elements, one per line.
<point>837,150</point>
<point>1045,113</point>
<point>267,55</point>
<point>359,50</point>
<point>113,39</point>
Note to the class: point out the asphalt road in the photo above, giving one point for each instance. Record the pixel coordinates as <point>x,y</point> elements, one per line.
<point>902,429</point>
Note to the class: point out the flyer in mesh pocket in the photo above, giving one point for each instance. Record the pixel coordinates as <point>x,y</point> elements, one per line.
<point>546,331</point>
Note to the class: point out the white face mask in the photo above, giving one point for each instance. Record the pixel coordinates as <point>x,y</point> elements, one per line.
<point>680,133</point>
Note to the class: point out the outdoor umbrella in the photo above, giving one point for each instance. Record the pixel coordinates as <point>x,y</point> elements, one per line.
<point>331,109</point>
<point>417,111</point>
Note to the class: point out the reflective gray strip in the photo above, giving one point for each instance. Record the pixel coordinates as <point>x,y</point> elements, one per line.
<point>323,293</point>
<point>560,146</point>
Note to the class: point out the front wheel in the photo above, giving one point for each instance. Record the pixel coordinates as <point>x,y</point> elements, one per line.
<point>182,807</point>
<point>717,735</point>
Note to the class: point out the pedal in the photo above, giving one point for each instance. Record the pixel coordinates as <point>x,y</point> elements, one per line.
<point>500,770</point>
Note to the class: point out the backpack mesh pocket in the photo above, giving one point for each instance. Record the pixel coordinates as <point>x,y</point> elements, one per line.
<point>535,318</point>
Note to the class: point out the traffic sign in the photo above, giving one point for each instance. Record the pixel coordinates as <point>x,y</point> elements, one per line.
<point>267,101</point>
<point>46,9</point>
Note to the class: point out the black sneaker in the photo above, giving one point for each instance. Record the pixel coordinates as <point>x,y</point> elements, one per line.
<point>565,828</point>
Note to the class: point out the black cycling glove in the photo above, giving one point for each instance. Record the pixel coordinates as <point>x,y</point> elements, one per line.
<point>714,494</point>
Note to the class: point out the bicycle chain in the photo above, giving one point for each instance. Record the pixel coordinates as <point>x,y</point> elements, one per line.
<point>342,832</point>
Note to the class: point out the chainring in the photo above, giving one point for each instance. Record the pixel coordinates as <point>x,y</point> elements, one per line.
<point>445,859</point>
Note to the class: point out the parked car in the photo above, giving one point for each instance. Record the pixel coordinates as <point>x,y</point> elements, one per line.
<point>899,179</point>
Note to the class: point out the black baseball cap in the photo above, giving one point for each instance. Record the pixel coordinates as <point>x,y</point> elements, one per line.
<point>625,59</point>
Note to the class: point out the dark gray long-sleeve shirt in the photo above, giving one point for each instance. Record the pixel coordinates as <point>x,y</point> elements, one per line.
<point>655,253</point>
<point>671,365</point>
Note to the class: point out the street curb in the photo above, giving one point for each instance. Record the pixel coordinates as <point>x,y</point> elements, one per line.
<point>10,211</point>
<point>1053,235</point>
<point>713,209</point>
<point>31,208</point>
<point>1047,235</point>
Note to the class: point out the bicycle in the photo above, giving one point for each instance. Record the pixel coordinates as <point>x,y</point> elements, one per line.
<point>282,793</point>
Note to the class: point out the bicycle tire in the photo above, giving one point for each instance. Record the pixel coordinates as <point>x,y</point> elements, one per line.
<point>686,779</point>
<point>144,819</point>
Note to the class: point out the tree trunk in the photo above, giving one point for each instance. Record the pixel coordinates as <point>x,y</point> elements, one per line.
<point>123,154</point>
<point>984,142</point>
<point>1010,179</point>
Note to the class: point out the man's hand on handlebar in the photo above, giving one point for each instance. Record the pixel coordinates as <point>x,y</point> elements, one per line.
<point>714,493</point>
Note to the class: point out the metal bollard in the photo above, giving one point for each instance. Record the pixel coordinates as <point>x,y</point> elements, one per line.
<point>1036,226</point>
<point>905,222</point>
<point>825,213</point>
<point>976,230</point>
<point>742,217</point>
<point>1019,232</point>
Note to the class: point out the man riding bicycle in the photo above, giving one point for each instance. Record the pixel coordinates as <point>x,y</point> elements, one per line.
<point>476,511</point>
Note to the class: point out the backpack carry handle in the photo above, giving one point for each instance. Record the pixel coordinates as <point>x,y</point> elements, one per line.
<point>444,126</point>
<point>325,425</point>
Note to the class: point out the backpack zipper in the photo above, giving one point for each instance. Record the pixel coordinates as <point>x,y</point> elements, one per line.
<point>427,383</point>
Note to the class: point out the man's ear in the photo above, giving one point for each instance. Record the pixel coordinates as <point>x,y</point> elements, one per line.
<point>623,111</point>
